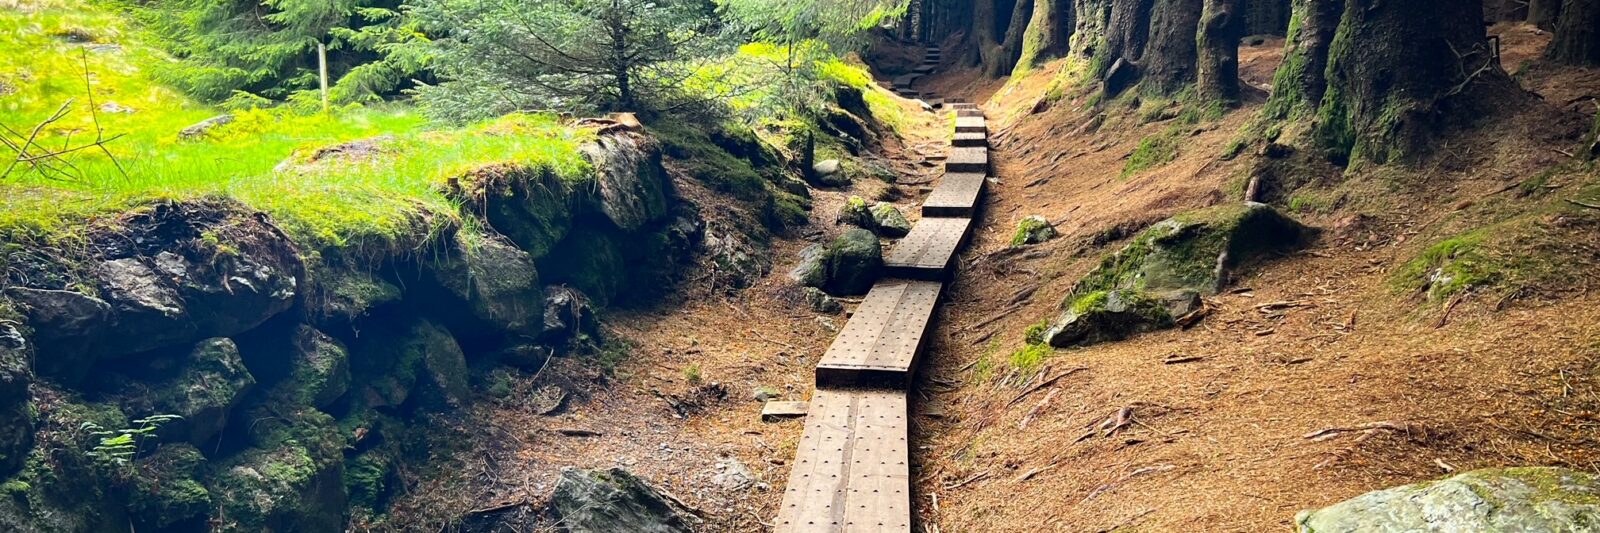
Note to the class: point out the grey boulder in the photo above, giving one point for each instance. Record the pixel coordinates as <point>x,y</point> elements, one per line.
<point>614,501</point>
<point>1543,499</point>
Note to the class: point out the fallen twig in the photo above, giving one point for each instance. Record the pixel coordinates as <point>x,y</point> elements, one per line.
<point>1043,384</point>
<point>1582,204</point>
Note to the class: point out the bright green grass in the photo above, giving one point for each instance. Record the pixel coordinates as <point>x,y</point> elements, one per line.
<point>380,201</point>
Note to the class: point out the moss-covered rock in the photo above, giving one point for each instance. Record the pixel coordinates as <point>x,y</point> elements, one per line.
<point>61,488</point>
<point>342,296</point>
<point>830,173</point>
<point>1497,499</point>
<point>1033,230</point>
<point>203,386</point>
<point>853,262</point>
<point>368,479</point>
<point>889,222</point>
<point>292,479</point>
<point>1105,316</point>
<point>1198,250</point>
<point>495,280</point>
<point>319,371</point>
<point>533,207</point>
<point>592,261</point>
<point>398,359</point>
<point>167,494</point>
<point>812,271</point>
<point>855,212</point>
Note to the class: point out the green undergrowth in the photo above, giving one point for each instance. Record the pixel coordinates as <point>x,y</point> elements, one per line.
<point>373,200</point>
<point>1153,151</point>
<point>1531,252</point>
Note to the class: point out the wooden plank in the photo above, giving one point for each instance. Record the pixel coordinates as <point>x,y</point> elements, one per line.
<point>969,112</point>
<point>966,124</point>
<point>929,251</point>
<point>882,342</point>
<point>973,159</point>
<point>956,196</point>
<point>970,139</point>
<point>778,410</point>
<point>851,470</point>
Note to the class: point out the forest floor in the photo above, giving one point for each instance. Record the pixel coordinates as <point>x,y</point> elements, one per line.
<point>1312,380</point>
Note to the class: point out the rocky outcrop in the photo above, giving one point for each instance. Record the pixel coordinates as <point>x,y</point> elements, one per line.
<point>396,362</point>
<point>167,494</point>
<point>168,275</point>
<point>631,187</point>
<point>614,501</point>
<point>1161,274</point>
<point>210,380</point>
<point>1501,499</point>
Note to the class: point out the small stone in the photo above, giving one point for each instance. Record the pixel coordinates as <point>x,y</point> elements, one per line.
<point>856,213</point>
<point>1033,230</point>
<point>763,394</point>
<point>821,302</point>
<point>830,173</point>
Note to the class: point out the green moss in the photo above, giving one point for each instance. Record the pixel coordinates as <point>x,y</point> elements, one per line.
<point>1027,227</point>
<point>1451,267</point>
<point>1031,356</point>
<point>1234,148</point>
<point>1306,201</point>
<point>367,479</point>
<point>1035,332</point>
<point>1153,151</point>
<point>1088,303</point>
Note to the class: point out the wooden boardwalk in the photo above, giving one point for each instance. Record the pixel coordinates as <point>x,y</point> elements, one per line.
<point>852,471</point>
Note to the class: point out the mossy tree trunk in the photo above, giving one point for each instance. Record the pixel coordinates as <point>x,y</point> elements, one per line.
<point>1398,72</point>
<point>1090,25</point>
<point>1170,61</point>
<point>1127,32</point>
<point>1221,27</point>
<point>1048,34</point>
<point>1302,76</point>
<point>1577,39</point>
<point>1009,49</point>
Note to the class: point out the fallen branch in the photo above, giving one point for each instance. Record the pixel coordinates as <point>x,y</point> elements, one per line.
<point>1582,204</point>
<point>1368,428</point>
<point>975,478</point>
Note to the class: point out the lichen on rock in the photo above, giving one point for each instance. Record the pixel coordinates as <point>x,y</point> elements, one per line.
<point>1497,499</point>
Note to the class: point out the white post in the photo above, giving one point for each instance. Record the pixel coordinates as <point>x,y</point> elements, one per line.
<point>322,66</point>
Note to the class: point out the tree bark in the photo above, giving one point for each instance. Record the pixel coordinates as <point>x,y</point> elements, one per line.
<point>1577,39</point>
<point>1127,32</point>
<point>1301,79</point>
<point>1004,57</point>
<point>1091,22</point>
<point>1543,13</point>
<point>1170,60</point>
<point>1221,27</point>
<point>1385,102</point>
<point>1048,35</point>
<point>983,39</point>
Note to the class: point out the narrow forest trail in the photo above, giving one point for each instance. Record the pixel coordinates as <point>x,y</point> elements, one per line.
<point>852,470</point>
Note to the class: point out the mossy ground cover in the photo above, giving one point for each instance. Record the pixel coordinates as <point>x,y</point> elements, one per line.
<point>43,64</point>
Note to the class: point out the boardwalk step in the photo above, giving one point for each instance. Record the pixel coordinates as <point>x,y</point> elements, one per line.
<point>852,469</point>
<point>970,139</point>
<point>970,124</point>
<point>968,159</point>
<point>924,69</point>
<point>929,251</point>
<point>883,340</point>
<point>956,196</point>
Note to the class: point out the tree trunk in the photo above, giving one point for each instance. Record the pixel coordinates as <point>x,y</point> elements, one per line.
<point>1221,27</point>
<point>1127,31</point>
<point>1385,102</point>
<point>1543,13</point>
<point>1264,17</point>
<point>1048,34</point>
<point>982,38</point>
<point>1003,58</point>
<point>1504,10</point>
<point>1577,39</point>
<point>1169,62</point>
<point>1091,22</point>
<point>1301,79</point>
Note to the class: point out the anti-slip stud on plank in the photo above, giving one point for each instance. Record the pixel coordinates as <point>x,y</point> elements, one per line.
<point>970,140</point>
<point>968,159</point>
<point>852,469</point>
<point>929,251</point>
<point>880,345</point>
<point>956,196</point>
<point>966,124</point>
